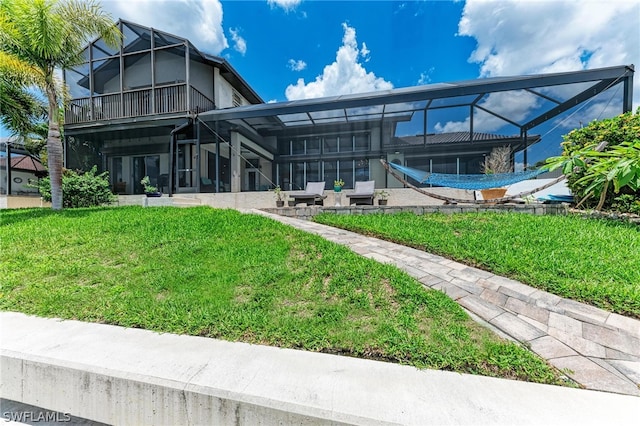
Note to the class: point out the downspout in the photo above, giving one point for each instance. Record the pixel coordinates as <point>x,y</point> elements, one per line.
<point>172,153</point>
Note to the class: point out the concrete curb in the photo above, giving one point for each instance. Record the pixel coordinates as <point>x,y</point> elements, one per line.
<point>130,376</point>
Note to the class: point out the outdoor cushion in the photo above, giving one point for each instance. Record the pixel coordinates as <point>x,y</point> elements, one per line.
<point>363,193</point>
<point>313,194</point>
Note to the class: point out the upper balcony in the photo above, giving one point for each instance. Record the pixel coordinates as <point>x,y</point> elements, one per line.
<point>149,73</point>
<point>165,99</point>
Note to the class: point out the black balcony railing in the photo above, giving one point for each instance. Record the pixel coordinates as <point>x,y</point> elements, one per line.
<point>137,103</point>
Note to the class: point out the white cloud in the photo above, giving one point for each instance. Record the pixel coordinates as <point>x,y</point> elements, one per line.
<point>531,37</point>
<point>517,106</point>
<point>298,65</point>
<point>240,44</point>
<point>425,76</point>
<point>364,52</point>
<point>200,21</point>
<point>287,5</point>
<point>345,75</point>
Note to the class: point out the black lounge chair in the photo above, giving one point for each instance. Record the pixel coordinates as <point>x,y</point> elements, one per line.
<point>313,195</point>
<point>363,193</point>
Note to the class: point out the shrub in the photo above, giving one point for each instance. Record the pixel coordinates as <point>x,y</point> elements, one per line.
<point>597,178</point>
<point>80,189</point>
<point>626,203</point>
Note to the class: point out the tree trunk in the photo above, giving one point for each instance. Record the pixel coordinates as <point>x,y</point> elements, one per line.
<point>54,149</point>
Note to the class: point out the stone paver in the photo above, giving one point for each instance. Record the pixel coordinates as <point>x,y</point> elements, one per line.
<point>516,327</point>
<point>565,324</point>
<point>593,376</point>
<point>624,323</point>
<point>583,312</point>
<point>549,348</point>
<point>630,369</point>
<point>480,307</point>
<point>596,348</point>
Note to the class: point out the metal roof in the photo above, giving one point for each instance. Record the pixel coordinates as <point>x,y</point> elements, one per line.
<point>395,103</point>
<point>459,137</point>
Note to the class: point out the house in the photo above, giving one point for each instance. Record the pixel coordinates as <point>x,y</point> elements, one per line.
<point>129,103</point>
<point>158,106</point>
<point>19,170</point>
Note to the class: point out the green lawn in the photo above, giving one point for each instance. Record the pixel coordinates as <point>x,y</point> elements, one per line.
<point>221,274</point>
<point>590,260</point>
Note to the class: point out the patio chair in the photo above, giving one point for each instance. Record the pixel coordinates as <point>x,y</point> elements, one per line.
<point>207,185</point>
<point>363,193</point>
<point>313,195</point>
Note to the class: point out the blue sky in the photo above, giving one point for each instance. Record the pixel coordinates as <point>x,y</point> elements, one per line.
<point>339,47</point>
<point>407,43</point>
<point>292,49</point>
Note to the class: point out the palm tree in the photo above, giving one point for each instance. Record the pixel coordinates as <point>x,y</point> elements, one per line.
<point>48,35</point>
<point>21,111</point>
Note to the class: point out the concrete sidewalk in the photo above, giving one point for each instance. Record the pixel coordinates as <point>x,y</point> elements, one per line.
<point>598,349</point>
<point>120,376</point>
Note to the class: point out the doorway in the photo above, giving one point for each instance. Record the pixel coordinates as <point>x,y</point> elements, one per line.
<point>251,179</point>
<point>148,165</point>
<point>186,170</point>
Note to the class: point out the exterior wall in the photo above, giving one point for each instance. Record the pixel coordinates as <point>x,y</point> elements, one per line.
<point>20,202</point>
<point>236,163</point>
<point>224,92</point>
<point>376,171</point>
<point>201,78</point>
<point>112,85</point>
<point>391,181</point>
<point>20,183</point>
<point>170,68</point>
<point>138,74</point>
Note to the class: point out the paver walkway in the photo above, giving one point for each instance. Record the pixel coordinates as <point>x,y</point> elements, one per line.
<point>598,349</point>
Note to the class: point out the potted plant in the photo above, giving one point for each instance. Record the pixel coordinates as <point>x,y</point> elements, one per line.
<point>150,190</point>
<point>337,185</point>
<point>279,194</point>
<point>382,196</point>
<point>498,161</point>
<point>291,202</point>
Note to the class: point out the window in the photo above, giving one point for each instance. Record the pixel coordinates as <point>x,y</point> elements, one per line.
<point>298,176</point>
<point>313,145</point>
<point>116,170</point>
<point>361,142</point>
<point>346,172</point>
<point>330,145</point>
<point>297,147</point>
<point>313,171</point>
<point>362,169</point>
<point>346,143</point>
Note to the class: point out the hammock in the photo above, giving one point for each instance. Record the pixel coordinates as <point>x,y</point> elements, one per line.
<point>472,182</point>
<point>453,200</point>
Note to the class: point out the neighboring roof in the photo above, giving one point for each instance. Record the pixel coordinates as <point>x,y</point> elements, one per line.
<point>23,162</point>
<point>459,137</point>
